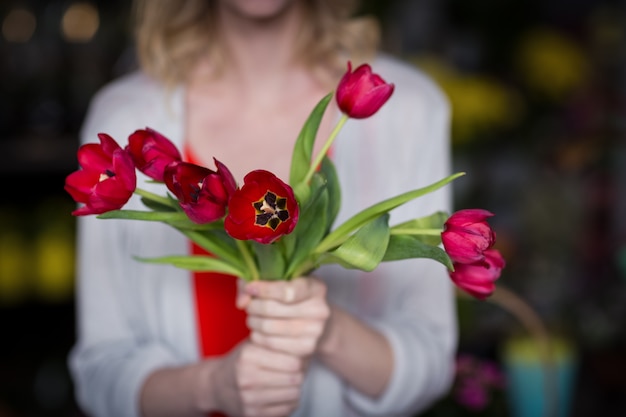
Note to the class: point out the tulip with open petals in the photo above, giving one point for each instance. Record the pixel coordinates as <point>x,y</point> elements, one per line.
<point>107,179</point>
<point>263,210</point>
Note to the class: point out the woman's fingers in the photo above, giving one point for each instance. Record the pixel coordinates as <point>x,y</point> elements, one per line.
<point>268,382</point>
<point>269,379</point>
<point>270,396</point>
<point>288,317</point>
<point>299,346</point>
<point>261,357</point>
<point>243,298</point>
<point>313,308</point>
<point>285,327</point>
<point>301,298</point>
<point>287,292</point>
<point>271,410</point>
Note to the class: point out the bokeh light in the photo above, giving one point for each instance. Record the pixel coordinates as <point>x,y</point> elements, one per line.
<point>80,22</point>
<point>19,25</point>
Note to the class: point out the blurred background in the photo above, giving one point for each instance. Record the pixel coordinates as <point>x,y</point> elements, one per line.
<point>538,95</point>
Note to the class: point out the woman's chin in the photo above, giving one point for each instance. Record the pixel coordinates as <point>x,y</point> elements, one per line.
<point>258,9</point>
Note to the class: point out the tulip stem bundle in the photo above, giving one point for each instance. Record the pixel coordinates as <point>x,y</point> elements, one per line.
<point>248,259</point>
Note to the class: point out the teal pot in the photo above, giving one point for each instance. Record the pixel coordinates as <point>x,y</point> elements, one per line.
<point>534,389</point>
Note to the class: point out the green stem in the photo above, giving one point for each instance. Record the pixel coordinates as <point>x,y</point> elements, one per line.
<point>318,159</point>
<point>530,319</point>
<point>416,232</point>
<point>154,197</point>
<point>301,269</point>
<point>247,258</point>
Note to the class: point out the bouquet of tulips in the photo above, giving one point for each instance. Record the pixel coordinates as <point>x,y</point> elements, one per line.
<point>270,229</point>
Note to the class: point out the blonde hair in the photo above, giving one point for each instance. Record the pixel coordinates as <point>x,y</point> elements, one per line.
<point>172,35</point>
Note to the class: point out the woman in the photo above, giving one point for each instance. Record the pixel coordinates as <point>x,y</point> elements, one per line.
<point>235,80</point>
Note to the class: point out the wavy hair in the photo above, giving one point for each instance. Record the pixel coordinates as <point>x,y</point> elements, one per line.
<point>172,35</point>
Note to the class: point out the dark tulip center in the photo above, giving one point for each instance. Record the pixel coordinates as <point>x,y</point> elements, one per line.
<point>106,175</point>
<point>271,210</point>
<point>194,192</point>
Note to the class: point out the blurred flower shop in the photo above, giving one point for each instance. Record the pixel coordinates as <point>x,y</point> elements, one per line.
<point>538,94</point>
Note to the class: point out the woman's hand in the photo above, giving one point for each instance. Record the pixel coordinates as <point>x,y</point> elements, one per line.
<point>286,316</point>
<point>294,317</point>
<point>249,381</point>
<point>255,381</point>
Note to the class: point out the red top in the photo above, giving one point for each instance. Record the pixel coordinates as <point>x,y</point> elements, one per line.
<point>221,325</point>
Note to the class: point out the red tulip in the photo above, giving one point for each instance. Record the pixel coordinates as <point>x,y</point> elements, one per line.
<point>264,209</point>
<point>361,93</point>
<point>478,278</point>
<point>202,193</point>
<point>107,178</point>
<point>467,235</point>
<point>152,152</point>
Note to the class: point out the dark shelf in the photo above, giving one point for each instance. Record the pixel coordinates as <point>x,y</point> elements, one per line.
<point>38,154</point>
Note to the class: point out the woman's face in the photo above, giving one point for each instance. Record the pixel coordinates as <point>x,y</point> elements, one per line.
<point>257,9</point>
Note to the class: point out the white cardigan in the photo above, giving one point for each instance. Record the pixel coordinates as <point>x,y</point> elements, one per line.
<point>133,317</point>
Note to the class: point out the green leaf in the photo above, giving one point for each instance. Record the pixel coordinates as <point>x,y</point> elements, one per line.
<point>217,243</point>
<point>271,260</point>
<point>302,191</point>
<point>407,247</point>
<point>198,263</point>
<point>177,219</point>
<point>187,224</point>
<point>153,216</point>
<point>289,241</point>
<point>311,227</point>
<point>174,218</point>
<point>334,191</point>
<point>159,206</point>
<point>288,244</point>
<point>427,229</point>
<point>303,148</point>
<point>364,249</point>
<point>362,217</point>
<point>157,202</point>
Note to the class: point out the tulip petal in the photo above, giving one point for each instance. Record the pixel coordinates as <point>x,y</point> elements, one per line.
<point>362,93</point>
<point>202,193</point>
<point>467,235</point>
<point>151,152</point>
<point>478,279</point>
<point>107,179</point>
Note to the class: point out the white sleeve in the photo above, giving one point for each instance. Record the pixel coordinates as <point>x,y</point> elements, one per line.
<point>114,353</point>
<point>421,331</point>
<point>418,314</point>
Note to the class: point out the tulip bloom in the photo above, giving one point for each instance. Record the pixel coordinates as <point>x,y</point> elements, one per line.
<point>264,209</point>
<point>467,235</point>
<point>202,193</point>
<point>152,152</point>
<point>107,179</point>
<point>361,93</point>
<point>478,278</point>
